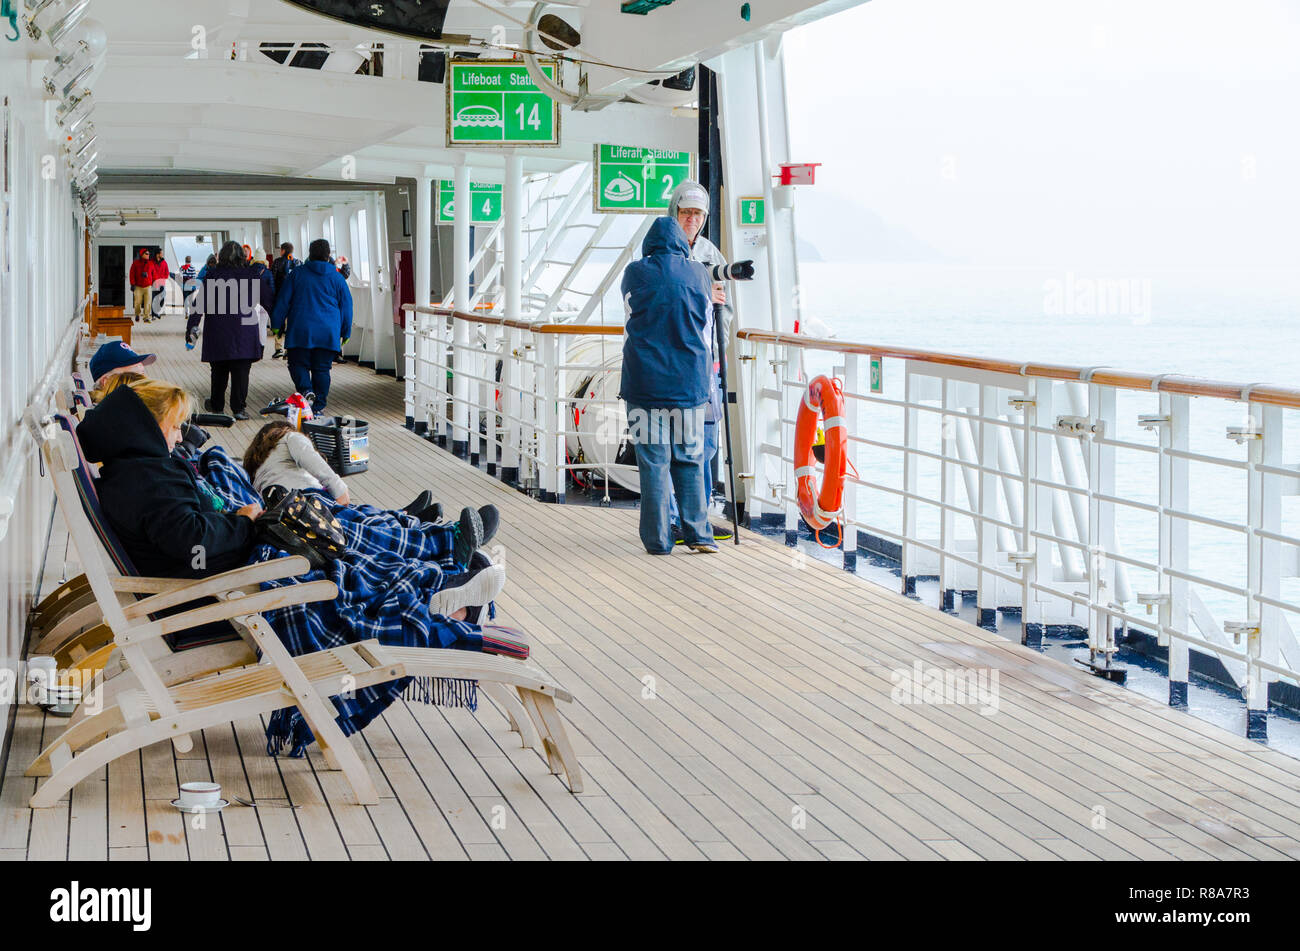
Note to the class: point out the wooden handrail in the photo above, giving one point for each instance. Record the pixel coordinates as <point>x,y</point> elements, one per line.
<point>1271,394</point>
<point>575,330</point>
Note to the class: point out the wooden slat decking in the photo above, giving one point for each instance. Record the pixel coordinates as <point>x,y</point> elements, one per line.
<point>728,706</point>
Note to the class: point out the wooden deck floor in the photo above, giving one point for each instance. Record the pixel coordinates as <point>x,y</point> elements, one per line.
<point>728,706</point>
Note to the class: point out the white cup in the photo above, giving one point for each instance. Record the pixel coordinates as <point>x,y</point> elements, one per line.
<point>42,674</point>
<point>200,795</point>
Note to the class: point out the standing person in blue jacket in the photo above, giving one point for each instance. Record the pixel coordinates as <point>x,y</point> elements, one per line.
<point>313,310</point>
<point>666,366</point>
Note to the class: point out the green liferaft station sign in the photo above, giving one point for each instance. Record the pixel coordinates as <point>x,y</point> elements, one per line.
<point>484,202</point>
<point>753,212</point>
<point>637,180</point>
<point>494,102</point>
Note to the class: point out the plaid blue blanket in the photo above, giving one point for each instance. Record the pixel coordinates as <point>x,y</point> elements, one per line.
<point>393,565</point>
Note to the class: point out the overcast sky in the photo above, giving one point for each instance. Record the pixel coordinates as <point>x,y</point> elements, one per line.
<point>1142,133</point>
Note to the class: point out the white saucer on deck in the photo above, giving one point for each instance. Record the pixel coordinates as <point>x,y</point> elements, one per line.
<point>220,804</point>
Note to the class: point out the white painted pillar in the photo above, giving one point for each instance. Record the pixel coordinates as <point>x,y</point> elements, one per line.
<point>315,227</point>
<point>460,301</point>
<point>423,249</point>
<point>512,211</point>
<point>363,324</point>
<point>381,319</point>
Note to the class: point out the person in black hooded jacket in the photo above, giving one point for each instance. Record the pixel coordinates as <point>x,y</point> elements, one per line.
<point>168,519</point>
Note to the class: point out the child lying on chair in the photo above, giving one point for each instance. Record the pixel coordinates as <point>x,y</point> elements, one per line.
<point>279,455</point>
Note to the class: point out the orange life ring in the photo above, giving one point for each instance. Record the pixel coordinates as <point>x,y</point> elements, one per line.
<point>824,399</point>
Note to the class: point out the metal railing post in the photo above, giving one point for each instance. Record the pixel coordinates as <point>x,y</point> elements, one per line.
<point>1037,464</point>
<point>511,405</point>
<point>1173,552</point>
<point>409,382</point>
<point>491,451</point>
<point>1263,564</point>
<point>986,530</point>
<point>911,433</point>
<point>948,593</point>
<point>852,383</point>
<point>546,373</point>
<point>558,413</point>
<point>790,399</point>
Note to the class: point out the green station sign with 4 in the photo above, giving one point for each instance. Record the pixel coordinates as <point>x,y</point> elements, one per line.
<point>753,212</point>
<point>494,102</point>
<point>636,179</point>
<point>484,203</point>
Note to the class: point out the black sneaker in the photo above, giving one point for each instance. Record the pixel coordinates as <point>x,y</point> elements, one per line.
<point>721,533</point>
<point>468,533</point>
<point>211,408</point>
<point>491,518</point>
<point>242,415</point>
<point>431,514</point>
<point>419,503</point>
<point>678,537</point>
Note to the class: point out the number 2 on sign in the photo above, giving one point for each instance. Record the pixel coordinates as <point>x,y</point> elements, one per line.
<point>534,118</point>
<point>668,188</point>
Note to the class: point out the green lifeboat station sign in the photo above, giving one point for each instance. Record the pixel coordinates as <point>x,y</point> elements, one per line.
<point>637,180</point>
<point>494,102</point>
<point>484,201</point>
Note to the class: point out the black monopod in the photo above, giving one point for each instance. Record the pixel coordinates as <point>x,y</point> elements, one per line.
<point>740,271</point>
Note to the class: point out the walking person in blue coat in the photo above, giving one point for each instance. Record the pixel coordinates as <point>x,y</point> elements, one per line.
<point>667,359</point>
<point>226,301</point>
<point>313,310</point>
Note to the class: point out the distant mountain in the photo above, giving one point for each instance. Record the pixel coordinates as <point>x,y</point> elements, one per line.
<point>834,227</point>
<point>808,252</point>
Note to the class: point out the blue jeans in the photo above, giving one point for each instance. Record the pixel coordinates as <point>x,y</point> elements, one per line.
<point>670,458</point>
<point>710,450</point>
<point>310,370</point>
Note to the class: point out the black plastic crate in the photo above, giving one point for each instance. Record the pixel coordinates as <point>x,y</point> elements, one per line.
<point>344,442</point>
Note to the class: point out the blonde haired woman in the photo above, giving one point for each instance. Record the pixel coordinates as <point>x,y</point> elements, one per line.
<point>169,520</point>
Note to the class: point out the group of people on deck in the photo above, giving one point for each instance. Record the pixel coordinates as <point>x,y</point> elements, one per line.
<point>406,576</point>
<point>236,301</point>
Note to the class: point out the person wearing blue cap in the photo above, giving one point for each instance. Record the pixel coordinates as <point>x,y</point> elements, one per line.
<point>116,357</point>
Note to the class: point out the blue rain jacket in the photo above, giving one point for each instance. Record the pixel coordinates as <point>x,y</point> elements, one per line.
<point>667,358</point>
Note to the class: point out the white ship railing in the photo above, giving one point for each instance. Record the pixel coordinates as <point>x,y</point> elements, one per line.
<point>519,424</point>
<point>1017,484</point>
<point>1027,457</point>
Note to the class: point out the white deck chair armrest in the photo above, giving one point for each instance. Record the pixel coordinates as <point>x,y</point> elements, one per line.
<point>224,583</point>
<point>239,606</point>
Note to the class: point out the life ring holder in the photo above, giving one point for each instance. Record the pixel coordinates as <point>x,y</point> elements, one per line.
<point>821,506</point>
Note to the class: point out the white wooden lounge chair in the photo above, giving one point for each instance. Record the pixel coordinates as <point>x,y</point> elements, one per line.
<point>150,711</point>
<point>68,624</point>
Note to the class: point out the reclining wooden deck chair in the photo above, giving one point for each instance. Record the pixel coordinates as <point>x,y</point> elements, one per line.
<point>72,630</point>
<point>151,711</point>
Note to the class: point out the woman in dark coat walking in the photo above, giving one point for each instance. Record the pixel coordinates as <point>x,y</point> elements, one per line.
<point>227,303</point>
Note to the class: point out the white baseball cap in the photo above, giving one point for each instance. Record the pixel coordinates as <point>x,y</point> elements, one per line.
<point>694,196</point>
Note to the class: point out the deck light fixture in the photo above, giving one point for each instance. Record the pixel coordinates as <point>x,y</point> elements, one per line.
<point>73,112</point>
<point>54,19</point>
